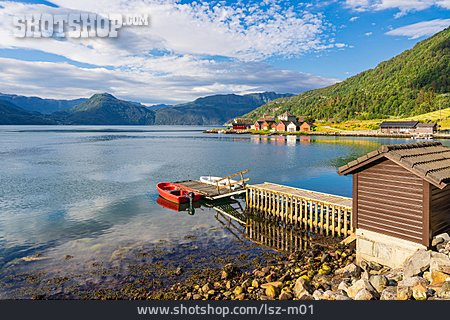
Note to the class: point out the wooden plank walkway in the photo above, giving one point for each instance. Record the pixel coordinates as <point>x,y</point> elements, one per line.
<point>310,210</point>
<point>306,194</point>
<point>209,191</point>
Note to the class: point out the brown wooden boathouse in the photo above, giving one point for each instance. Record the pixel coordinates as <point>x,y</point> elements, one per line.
<point>401,191</point>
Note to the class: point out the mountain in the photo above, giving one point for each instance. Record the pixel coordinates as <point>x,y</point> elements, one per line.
<point>159,106</point>
<point>11,114</point>
<point>212,110</point>
<point>36,104</point>
<point>105,109</point>
<point>416,81</point>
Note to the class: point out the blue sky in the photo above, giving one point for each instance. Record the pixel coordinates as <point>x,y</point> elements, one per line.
<point>194,49</point>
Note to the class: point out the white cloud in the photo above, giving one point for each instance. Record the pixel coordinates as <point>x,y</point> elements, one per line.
<point>420,29</point>
<point>245,32</point>
<point>368,34</point>
<point>192,36</point>
<point>352,19</point>
<point>193,78</point>
<point>404,6</point>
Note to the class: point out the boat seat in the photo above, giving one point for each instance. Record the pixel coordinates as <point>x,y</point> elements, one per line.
<point>175,192</point>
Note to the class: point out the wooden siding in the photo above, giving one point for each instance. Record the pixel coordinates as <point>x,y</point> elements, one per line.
<point>440,210</point>
<point>389,200</point>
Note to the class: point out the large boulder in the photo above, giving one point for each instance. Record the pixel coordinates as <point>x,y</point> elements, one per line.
<point>379,282</point>
<point>364,294</point>
<point>444,292</point>
<point>440,262</point>
<point>389,293</point>
<point>358,286</point>
<point>440,238</point>
<point>301,288</point>
<point>351,270</point>
<point>406,287</point>
<point>417,263</point>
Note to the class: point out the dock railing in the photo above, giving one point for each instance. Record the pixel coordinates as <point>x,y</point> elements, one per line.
<point>309,210</point>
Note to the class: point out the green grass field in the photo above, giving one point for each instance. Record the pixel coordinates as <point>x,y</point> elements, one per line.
<point>435,116</point>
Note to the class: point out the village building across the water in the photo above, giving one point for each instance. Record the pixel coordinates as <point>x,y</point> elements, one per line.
<point>407,127</point>
<point>285,122</point>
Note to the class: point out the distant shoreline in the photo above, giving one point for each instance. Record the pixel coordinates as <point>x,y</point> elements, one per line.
<point>314,133</point>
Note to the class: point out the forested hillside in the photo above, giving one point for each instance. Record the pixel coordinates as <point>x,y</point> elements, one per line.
<point>414,82</point>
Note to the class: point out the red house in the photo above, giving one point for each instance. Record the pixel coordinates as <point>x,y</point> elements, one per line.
<point>282,126</point>
<point>268,125</point>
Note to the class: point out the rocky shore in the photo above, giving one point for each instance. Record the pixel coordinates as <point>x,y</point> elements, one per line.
<point>324,274</point>
<point>321,272</point>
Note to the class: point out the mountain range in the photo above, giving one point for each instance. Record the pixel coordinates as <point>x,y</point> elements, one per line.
<point>416,81</point>
<point>11,114</point>
<point>216,109</point>
<point>105,109</point>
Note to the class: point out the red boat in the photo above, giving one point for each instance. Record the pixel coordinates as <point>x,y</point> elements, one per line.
<point>175,193</point>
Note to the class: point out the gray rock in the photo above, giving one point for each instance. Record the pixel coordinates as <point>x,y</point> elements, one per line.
<point>404,293</point>
<point>379,282</point>
<point>317,294</point>
<point>417,263</point>
<point>444,292</point>
<point>412,281</point>
<point>375,266</point>
<point>406,286</point>
<point>395,274</point>
<point>444,236</point>
<point>285,295</point>
<point>436,241</point>
<point>306,296</point>
<point>301,287</point>
<point>351,270</point>
<point>364,294</point>
<point>419,292</point>
<point>342,297</point>
<point>389,293</point>
<point>358,286</point>
<point>440,262</point>
<point>344,285</point>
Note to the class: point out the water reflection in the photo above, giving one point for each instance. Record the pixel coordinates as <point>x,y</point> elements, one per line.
<point>272,234</point>
<point>178,207</point>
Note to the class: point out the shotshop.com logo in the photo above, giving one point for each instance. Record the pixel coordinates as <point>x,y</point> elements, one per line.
<point>75,25</point>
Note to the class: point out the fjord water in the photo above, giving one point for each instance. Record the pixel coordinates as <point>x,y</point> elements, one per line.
<point>90,191</point>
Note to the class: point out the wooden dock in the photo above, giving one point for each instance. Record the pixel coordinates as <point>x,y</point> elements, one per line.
<point>208,191</point>
<point>310,210</point>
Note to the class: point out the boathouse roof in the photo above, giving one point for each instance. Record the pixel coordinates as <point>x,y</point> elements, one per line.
<point>428,160</point>
<point>399,124</point>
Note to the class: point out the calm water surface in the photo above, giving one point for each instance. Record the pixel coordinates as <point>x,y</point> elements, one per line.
<point>90,191</point>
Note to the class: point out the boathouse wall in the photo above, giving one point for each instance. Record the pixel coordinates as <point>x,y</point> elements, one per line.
<point>440,210</point>
<point>389,199</point>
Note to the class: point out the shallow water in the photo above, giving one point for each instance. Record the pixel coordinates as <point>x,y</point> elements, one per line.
<point>90,191</point>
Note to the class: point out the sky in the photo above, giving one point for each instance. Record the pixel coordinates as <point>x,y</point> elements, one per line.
<point>198,48</point>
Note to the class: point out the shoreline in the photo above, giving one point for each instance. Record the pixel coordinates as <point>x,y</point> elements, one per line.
<point>331,134</point>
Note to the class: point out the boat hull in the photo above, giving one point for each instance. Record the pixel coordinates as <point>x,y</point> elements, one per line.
<point>175,193</point>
